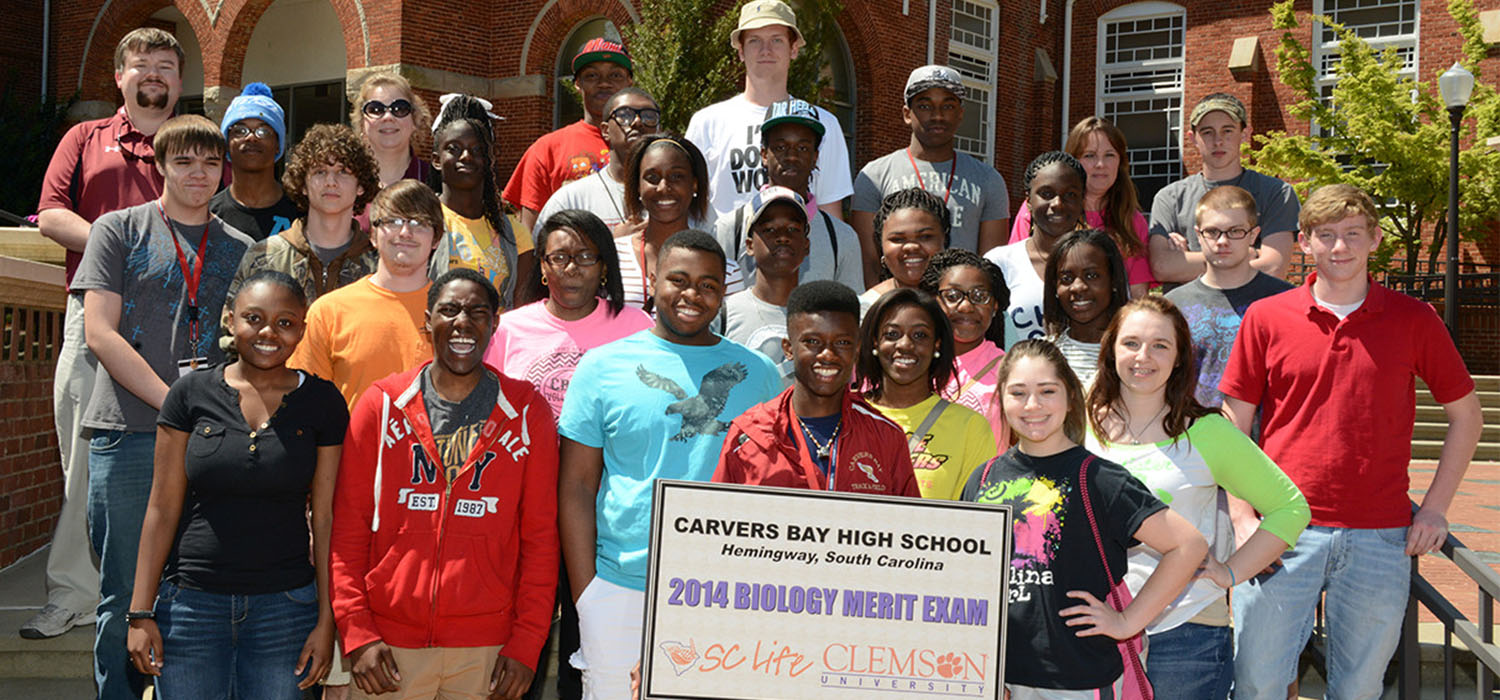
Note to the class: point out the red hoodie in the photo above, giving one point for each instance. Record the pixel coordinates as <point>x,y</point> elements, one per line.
<point>418,561</point>
<point>766,447</point>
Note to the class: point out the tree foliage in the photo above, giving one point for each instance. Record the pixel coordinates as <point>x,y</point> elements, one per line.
<point>683,57</point>
<point>1387,134</point>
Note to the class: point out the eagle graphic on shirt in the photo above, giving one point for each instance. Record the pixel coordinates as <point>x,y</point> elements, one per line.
<point>700,414</point>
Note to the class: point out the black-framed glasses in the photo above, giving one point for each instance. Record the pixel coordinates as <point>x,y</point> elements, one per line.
<point>398,109</point>
<point>561,260</point>
<point>625,116</point>
<point>262,132</point>
<point>1234,234</point>
<point>954,296</point>
<point>394,224</point>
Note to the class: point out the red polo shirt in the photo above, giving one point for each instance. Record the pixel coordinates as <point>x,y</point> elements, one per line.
<point>1338,397</point>
<point>100,166</point>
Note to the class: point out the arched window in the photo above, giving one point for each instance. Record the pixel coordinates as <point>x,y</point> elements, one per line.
<point>838,69</point>
<point>567,107</point>
<point>1139,88</point>
<point>973,51</point>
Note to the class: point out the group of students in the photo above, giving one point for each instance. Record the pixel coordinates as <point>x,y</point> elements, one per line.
<point>362,424</point>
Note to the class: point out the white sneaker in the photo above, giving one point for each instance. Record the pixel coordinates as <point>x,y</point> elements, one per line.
<point>54,620</point>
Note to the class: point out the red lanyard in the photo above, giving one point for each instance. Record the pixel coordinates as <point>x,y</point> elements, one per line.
<point>951,170</point>
<point>191,275</point>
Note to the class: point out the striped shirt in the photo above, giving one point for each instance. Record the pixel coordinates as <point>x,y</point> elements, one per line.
<point>635,279</point>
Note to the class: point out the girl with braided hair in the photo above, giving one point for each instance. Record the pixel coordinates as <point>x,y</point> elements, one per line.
<point>1054,194</point>
<point>911,226</point>
<point>972,293</point>
<point>478,234</point>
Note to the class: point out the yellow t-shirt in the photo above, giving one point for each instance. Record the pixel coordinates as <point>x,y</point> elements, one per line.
<point>361,333</point>
<point>959,442</point>
<point>474,244</point>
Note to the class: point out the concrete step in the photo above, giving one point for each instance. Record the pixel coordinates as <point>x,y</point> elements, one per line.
<point>1434,414</point>
<point>1433,449</point>
<point>68,656</point>
<point>1482,382</point>
<point>1436,431</point>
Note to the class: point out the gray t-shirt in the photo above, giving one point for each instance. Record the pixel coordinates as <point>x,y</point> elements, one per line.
<point>978,194</point>
<point>456,425</point>
<point>598,194</point>
<point>1176,206</point>
<point>824,261</point>
<point>1213,317</point>
<point>757,325</point>
<point>130,253</point>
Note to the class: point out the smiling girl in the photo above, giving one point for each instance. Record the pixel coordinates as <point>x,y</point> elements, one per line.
<point>905,356</point>
<point>971,291</point>
<point>227,601</point>
<point>1054,191</point>
<point>911,226</point>
<point>1143,414</point>
<point>1085,282</point>
<point>666,191</point>
<point>1076,515</point>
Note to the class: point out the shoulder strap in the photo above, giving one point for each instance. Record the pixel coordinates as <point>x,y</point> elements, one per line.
<point>833,240</point>
<point>921,432</point>
<point>739,221</point>
<point>1129,650</point>
<point>982,371</point>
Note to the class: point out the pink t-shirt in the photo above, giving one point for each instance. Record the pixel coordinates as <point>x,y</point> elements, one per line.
<point>532,344</point>
<point>1138,267</point>
<point>983,360</point>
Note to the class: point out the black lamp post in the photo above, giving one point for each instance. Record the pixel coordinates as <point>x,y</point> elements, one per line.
<point>1455,84</point>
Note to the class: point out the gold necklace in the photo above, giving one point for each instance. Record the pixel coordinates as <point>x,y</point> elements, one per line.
<point>823,449</point>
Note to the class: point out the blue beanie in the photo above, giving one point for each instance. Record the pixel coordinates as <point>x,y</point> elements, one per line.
<point>256,102</point>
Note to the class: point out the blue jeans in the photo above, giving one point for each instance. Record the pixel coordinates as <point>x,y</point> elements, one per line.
<point>1191,662</point>
<point>218,646</point>
<point>120,465</point>
<point>1367,577</point>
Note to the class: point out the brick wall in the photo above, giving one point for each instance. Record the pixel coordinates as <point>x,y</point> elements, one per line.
<point>30,476</point>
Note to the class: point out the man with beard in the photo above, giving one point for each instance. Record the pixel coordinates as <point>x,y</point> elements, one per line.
<point>818,434</point>
<point>789,141</point>
<point>653,405</point>
<point>573,152</point>
<point>98,167</point>
<point>628,115</point>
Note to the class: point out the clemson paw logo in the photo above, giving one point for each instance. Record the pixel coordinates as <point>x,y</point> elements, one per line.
<point>682,657</point>
<point>949,665</point>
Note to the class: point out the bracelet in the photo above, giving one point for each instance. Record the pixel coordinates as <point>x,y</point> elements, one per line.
<point>133,615</point>
<point>1231,574</point>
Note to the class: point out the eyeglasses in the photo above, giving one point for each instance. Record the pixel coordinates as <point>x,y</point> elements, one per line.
<point>397,108</point>
<point>1234,234</point>
<point>954,296</point>
<point>625,116</point>
<point>394,224</point>
<point>561,260</point>
<point>239,131</point>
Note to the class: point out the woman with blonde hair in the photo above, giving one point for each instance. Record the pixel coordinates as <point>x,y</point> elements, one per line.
<point>387,113</point>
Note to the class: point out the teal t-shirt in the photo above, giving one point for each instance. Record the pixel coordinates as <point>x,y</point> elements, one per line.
<point>658,410</point>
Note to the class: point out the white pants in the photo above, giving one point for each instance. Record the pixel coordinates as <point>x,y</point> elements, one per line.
<point>609,635</point>
<point>72,577</point>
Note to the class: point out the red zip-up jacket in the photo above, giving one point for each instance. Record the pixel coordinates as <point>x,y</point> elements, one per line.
<point>419,561</point>
<point>766,447</point>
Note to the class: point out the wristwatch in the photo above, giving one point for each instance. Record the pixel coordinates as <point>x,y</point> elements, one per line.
<point>133,615</point>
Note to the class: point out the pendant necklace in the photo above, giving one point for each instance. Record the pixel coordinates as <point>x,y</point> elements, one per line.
<point>1135,435</point>
<point>824,449</point>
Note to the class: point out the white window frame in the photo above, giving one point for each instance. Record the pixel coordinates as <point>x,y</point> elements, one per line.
<point>984,86</point>
<point>1149,10</point>
<point>1324,50</point>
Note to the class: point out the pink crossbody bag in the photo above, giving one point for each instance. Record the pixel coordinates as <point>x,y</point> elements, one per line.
<point>1119,598</point>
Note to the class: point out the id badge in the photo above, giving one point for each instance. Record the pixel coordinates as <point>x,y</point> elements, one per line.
<point>189,365</point>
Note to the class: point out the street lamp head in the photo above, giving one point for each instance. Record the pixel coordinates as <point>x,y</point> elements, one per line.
<point>1456,85</point>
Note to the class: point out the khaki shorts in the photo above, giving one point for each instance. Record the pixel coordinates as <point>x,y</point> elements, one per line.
<point>441,673</point>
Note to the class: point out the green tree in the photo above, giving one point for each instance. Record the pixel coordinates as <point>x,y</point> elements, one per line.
<point>683,57</point>
<point>1387,134</point>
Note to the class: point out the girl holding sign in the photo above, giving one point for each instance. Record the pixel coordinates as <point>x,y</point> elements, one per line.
<point>1075,517</point>
<point>1143,413</point>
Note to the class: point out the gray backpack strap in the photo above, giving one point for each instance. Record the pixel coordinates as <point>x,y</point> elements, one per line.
<point>920,434</point>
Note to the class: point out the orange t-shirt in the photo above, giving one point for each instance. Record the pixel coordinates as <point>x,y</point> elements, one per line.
<point>361,333</point>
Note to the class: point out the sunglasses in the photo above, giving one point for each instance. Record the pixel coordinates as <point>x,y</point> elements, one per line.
<point>625,116</point>
<point>397,108</point>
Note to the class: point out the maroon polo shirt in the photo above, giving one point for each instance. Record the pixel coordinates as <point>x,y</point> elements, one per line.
<point>100,166</point>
